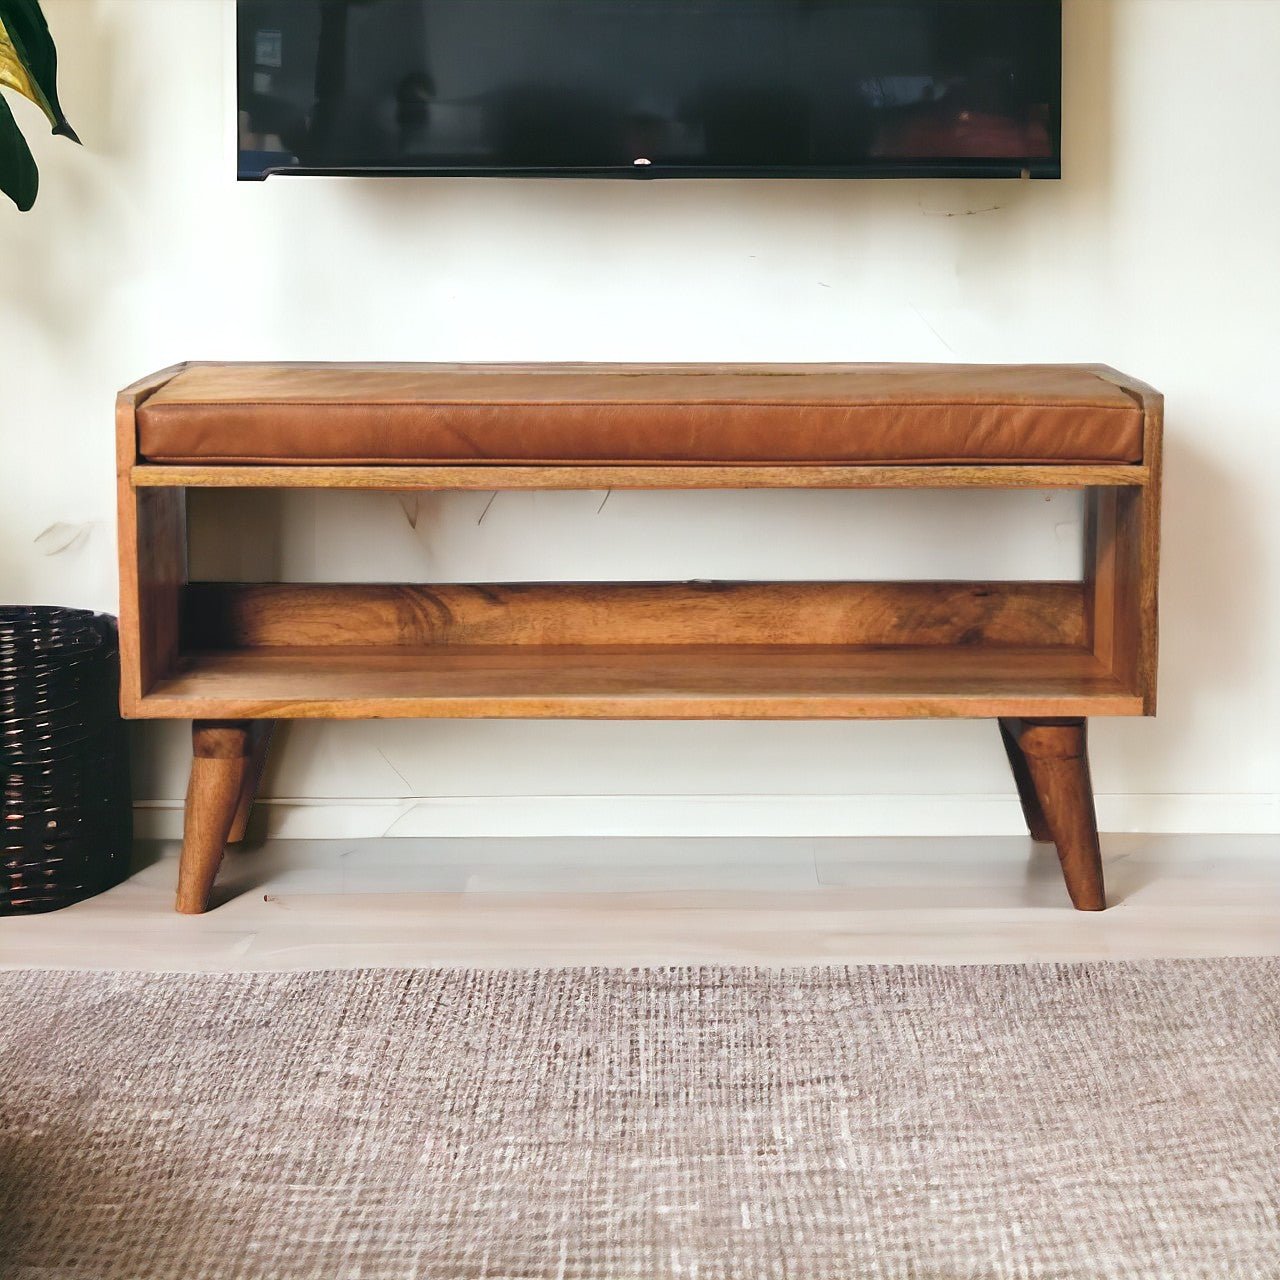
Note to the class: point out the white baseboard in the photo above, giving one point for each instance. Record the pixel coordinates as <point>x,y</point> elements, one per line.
<point>733,816</point>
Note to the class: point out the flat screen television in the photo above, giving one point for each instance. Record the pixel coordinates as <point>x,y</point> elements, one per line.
<point>650,88</point>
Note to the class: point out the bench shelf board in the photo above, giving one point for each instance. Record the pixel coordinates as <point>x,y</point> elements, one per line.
<point>676,682</point>
<point>868,476</point>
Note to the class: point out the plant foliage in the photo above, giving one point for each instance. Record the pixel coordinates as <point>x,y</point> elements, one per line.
<point>28,65</point>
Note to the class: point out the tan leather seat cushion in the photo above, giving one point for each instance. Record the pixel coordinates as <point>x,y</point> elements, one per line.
<point>600,414</point>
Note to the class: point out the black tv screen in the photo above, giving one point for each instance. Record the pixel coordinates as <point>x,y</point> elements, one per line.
<point>650,88</point>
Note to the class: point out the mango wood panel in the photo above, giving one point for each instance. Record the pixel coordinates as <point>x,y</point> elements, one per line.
<point>1122,563</point>
<point>151,535</point>
<point>661,682</point>
<point>1064,476</point>
<point>160,561</point>
<point>1137,592</point>
<point>228,615</point>
<point>1143,511</point>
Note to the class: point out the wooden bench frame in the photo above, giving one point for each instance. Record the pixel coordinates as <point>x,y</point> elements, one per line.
<point>1039,657</point>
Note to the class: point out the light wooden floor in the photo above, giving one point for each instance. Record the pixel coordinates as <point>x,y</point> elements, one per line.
<point>336,904</point>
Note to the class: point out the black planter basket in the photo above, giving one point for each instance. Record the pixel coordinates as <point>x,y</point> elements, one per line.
<point>66,819</point>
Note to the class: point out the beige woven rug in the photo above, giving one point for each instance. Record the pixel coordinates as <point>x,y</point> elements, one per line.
<point>1092,1121</point>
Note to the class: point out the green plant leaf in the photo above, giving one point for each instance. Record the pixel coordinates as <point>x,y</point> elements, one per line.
<point>19,179</point>
<point>22,26</point>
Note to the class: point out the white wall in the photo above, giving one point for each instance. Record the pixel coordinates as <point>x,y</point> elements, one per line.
<point>1157,253</point>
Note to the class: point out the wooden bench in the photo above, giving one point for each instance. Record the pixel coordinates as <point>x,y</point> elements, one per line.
<point>1039,657</point>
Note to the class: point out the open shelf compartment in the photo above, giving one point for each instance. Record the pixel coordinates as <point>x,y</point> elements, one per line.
<point>635,650</point>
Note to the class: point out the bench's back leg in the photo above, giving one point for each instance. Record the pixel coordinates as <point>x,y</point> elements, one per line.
<point>1031,809</point>
<point>259,742</point>
<point>1055,756</point>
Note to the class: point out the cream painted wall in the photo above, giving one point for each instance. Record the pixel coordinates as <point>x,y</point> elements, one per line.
<point>1157,253</point>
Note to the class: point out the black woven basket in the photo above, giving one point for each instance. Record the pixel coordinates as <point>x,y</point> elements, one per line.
<point>66,821</point>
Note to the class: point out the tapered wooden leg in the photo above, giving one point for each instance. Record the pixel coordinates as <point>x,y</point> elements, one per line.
<point>1057,760</point>
<point>259,741</point>
<point>1031,809</point>
<point>221,759</point>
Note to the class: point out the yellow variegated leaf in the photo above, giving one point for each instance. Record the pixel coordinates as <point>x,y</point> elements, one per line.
<point>13,75</point>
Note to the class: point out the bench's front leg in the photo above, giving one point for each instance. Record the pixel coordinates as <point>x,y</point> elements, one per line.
<point>1057,762</point>
<point>222,756</point>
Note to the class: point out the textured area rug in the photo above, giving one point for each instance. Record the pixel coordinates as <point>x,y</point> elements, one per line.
<point>1092,1121</point>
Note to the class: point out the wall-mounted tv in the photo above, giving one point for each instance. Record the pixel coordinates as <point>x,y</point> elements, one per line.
<point>650,88</point>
